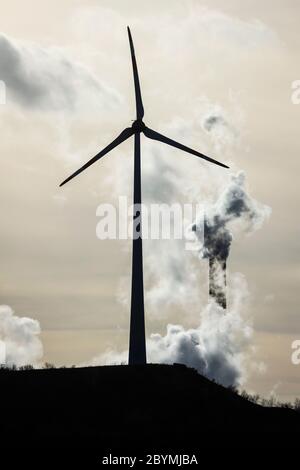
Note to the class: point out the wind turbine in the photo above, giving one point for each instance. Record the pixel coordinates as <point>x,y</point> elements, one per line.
<point>137,342</point>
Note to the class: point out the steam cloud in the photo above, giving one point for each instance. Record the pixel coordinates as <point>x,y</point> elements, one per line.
<point>42,78</point>
<point>216,348</point>
<point>234,211</point>
<point>21,337</point>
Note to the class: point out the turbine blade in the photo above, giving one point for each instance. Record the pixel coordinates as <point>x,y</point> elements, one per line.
<point>138,96</point>
<point>156,136</point>
<point>125,134</point>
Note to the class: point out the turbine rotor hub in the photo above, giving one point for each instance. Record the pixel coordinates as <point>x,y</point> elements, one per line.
<point>138,125</point>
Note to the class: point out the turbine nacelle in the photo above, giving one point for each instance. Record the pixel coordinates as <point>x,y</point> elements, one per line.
<point>138,126</point>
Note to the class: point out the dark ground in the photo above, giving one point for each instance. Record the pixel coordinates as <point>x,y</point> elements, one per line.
<point>153,408</point>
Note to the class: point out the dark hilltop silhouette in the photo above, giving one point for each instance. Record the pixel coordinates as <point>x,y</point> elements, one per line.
<point>150,407</point>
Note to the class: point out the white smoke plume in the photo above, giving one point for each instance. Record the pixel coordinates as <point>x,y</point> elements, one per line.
<point>219,347</point>
<point>234,212</point>
<point>21,338</point>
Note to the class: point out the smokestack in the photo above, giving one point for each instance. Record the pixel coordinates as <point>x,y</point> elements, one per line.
<point>235,211</point>
<point>217,240</point>
<point>217,280</point>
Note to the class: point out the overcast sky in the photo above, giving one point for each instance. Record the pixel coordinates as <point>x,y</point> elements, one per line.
<point>68,74</point>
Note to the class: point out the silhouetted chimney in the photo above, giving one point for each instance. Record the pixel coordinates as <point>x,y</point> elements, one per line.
<point>217,280</point>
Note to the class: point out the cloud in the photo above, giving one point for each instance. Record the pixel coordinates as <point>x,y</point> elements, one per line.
<point>21,337</point>
<point>45,78</point>
<point>234,211</point>
<point>218,26</point>
<point>219,347</point>
<point>222,131</point>
<point>213,121</point>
